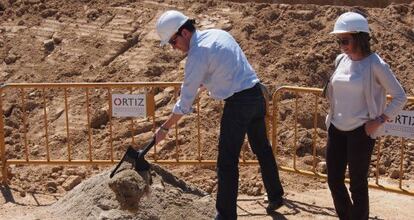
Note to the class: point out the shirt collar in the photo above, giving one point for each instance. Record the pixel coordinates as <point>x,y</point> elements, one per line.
<point>193,40</point>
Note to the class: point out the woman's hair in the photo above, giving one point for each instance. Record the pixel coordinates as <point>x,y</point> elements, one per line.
<point>189,25</point>
<point>362,42</point>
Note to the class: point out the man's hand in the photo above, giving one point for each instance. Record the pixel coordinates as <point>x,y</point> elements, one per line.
<point>160,134</point>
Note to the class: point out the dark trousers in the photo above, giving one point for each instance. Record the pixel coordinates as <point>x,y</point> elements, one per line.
<point>243,113</point>
<point>352,148</point>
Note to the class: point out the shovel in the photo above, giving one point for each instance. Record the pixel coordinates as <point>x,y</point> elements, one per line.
<point>137,156</point>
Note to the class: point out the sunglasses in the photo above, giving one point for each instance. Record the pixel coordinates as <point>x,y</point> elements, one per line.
<point>173,40</point>
<point>344,42</point>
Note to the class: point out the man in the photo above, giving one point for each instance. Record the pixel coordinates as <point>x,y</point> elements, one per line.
<point>216,62</point>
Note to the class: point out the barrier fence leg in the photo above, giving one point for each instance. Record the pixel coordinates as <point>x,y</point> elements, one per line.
<point>2,146</point>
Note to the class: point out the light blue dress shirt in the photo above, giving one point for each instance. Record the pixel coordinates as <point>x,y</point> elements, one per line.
<point>215,61</point>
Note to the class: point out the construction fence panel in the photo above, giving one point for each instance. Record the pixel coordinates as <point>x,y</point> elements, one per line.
<point>299,140</point>
<point>72,124</point>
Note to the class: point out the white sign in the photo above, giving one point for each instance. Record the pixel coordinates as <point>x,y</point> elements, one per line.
<point>402,125</point>
<point>133,105</point>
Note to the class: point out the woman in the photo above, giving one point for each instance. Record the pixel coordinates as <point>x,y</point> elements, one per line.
<point>358,109</point>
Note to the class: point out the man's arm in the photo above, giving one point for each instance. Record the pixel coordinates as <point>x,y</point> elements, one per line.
<point>162,131</point>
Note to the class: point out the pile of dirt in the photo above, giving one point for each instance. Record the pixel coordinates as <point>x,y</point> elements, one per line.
<point>133,195</point>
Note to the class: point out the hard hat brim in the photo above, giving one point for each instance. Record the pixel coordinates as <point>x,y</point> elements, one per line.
<point>343,32</point>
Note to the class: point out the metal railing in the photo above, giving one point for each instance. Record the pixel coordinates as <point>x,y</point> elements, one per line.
<point>98,95</point>
<point>311,97</point>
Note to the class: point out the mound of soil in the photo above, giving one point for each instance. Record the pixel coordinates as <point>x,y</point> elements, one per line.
<point>130,195</point>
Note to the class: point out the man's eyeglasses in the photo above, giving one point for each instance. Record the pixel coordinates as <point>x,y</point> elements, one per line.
<point>344,42</point>
<point>173,40</point>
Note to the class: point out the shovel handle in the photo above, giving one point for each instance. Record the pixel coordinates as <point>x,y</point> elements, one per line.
<point>146,148</point>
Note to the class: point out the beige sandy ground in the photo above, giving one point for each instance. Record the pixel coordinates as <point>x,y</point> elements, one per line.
<point>288,44</point>
<point>314,204</point>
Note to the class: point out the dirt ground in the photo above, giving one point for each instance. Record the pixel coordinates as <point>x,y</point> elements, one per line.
<point>114,41</point>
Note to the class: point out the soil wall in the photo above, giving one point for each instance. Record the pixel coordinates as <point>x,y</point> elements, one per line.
<point>365,3</point>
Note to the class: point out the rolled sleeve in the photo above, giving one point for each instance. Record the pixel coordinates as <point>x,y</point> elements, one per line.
<point>194,73</point>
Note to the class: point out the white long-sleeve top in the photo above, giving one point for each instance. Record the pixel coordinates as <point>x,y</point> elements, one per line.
<point>351,109</point>
<point>216,61</point>
<point>377,81</point>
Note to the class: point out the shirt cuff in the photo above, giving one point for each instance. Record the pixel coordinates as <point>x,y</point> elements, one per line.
<point>180,111</point>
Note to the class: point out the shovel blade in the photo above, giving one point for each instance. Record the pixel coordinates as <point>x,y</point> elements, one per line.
<point>136,158</point>
<point>142,165</point>
<point>129,155</point>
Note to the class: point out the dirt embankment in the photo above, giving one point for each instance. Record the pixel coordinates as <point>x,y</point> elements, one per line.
<point>115,41</point>
<point>364,3</point>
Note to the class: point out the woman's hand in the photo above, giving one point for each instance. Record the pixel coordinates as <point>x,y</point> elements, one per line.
<point>372,125</point>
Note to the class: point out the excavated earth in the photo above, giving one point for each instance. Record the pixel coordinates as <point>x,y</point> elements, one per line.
<point>287,42</point>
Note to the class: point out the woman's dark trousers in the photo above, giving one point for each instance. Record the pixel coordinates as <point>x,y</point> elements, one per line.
<point>352,148</point>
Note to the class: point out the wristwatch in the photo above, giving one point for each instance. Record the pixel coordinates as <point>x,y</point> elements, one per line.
<point>380,119</point>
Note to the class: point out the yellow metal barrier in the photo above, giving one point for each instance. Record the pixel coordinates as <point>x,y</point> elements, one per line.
<point>88,90</point>
<point>311,97</point>
<point>98,95</point>
<point>87,87</point>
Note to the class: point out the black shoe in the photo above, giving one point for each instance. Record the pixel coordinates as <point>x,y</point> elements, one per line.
<point>273,205</point>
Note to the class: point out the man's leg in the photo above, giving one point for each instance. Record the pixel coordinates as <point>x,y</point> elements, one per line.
<point>261,147</point>
<point>232,132</point>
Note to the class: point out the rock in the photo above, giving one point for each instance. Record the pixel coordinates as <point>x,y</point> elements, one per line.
<point>35,150</point>
<point>304,146</point>
<point>11,58</point>
<point>57,39</point>
<point>305,15</point>
<point>48,12</point>
<point>255,191</point>
<point>309,160</point>
<point>321,167</point>
<point>31,105</point>
<point>54,175</point>
<point>70,171</point>
<point>382,170</point>
<point>60,180</point>
<point>99,119</point>
<point>8,110</point>
<point>395,174</point>
<point>57,168</point>
<point>93,14</point>
<point>71,182</point>
<point>387,162</point>
<point>17,147</point>
<point>3,6</point>
<point>22,193</point>
<point>154,70</point>
<point>129,187</point>
<point>51,186</point>
<point>49,45</point>
<point>7,130</point>
<point>162,99</point>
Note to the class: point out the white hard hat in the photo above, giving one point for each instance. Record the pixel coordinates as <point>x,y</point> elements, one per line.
<point>168,24</point>
<point>351,22</point>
